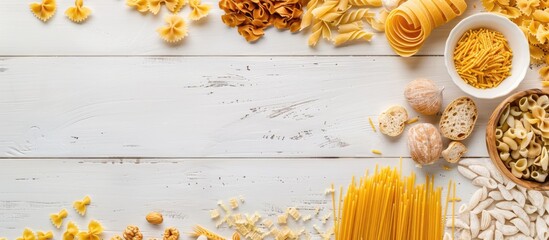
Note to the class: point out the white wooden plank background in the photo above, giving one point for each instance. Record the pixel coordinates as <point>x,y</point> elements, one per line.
<point>106,108</point>
<point>184,191</point>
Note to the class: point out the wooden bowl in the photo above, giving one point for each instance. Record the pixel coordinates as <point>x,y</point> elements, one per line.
<point>491,142</point>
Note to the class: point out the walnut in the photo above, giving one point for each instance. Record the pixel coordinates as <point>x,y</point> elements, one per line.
<point>171,233</point>
<point>132,233</point>
<point>116,237</point>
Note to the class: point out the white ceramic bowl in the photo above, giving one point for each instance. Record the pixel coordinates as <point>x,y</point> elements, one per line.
<point>517,42</point>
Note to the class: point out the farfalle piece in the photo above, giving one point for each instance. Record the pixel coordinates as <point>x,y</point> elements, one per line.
<point>79,12</point>
<point>180,4</point>
<point>527,7</point>
<point>71,231</point>
<point>44,235</point>
<point>199,10</point>
<point>57,218</point>
<point>44,10</point>
<point>94,231</point>
<point>172,5</point>
<point>140,5</point>
<point>175,29</point>
<point>81,205</point>
<point>27,235</point>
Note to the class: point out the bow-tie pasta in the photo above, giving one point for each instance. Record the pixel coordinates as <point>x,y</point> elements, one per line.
<point>44,235</point>
<point>94,231</point>
<point>175,29</point>
<point>57,218</point>
<point>71,232</point>
<point>43,10</point>
<point>78,12</point>
<point>81,205</point>
<point>199,10</point>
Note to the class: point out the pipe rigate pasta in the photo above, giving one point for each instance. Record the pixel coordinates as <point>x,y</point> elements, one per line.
<point>43,10</point>
<point>78,13</point>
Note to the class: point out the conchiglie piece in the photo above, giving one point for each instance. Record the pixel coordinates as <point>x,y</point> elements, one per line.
<point>79,12</point>
<point>199,10</point>
<point>175,29</point>
<point>43,10</point>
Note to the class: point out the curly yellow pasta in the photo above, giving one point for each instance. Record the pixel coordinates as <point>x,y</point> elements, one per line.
<point>364,3</point>
<point>43,10</point>
<point>175,29</point>
<point>307,18</point>
<point>351,31</point>
<point>71,232</point>
<point>354,16</point>
<point>199,10</point>
<point>78,12</point>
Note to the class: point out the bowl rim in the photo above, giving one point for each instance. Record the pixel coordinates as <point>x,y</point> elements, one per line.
<point>448,62</point>
<point>491,141</point>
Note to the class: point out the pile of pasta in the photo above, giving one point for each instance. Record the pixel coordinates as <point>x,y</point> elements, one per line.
<point>347,16</point>
<point>387,206</point>
<point>532,16</point>
<point>252,17</point>
<point>483,58</point>
<point>408,26</point>
<point>176,28</point>
<point>522,137</point>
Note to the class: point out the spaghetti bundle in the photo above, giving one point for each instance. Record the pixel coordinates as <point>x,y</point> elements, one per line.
<point>483,58</point>
<point>388,206</point>
<point>408,26</point>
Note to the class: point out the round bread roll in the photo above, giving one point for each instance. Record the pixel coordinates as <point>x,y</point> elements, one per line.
<point>425,143</point>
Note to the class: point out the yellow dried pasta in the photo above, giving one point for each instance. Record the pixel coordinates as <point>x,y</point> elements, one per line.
<point>71,232</point>
<point>172,5</point>
<point>140,5</point>
<point>94,231</point>
<point>57,218</point>
<point>175,29</point>
<point>199,9</point>
<point>43,10</point>
<point>28,234</point>
<point>81,205</point>
<point>44,235</point>
<point>409,25</point>
<point>78,13</point>
<point>483,58</point>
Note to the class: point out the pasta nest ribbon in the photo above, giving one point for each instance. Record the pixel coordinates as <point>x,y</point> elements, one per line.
<point>94,231</point>
<point>71,232</point>
<point>78,13</point>
<point>175,29</point>
<point>43,10</point>
<point>27,235</point>
<point>199,10</point>
<point>57,218</point>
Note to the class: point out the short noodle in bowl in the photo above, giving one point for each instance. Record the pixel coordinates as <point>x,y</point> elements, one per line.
<point>514,138</point>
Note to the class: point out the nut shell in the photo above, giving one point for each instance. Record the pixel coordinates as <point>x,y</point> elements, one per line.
<point>424,96</point>
<point>132,233</point>
<point>425,143</point>
<point>154,218</point>
<point>171,233</point>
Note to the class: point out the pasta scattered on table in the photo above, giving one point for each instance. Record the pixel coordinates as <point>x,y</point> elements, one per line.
<point>139,5</point>
<point>57,218</point>
<point>199,9</point>
<point>81,205</point>
<point>78,13</point>
<point>28,234</point>
<point>174,30</point>
<point>43,10</point>
<point>94,231</point>
<point>44,235</point>
<point>71,232</point>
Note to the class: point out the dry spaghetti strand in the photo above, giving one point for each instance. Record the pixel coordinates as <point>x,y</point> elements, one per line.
<point>386,205</point>
<point>483,58</point>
